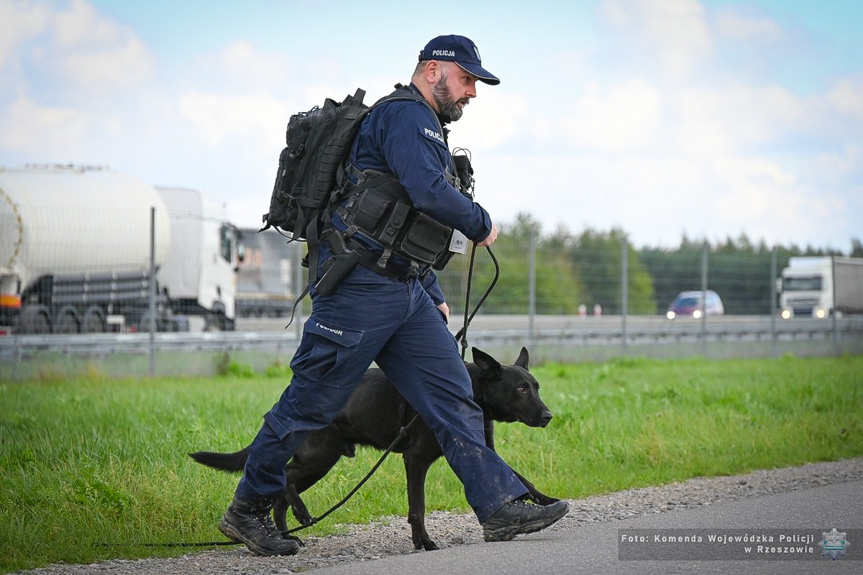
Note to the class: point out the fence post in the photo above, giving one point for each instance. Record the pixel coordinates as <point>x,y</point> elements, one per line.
<point>531,288</point>
<point>773,302</point>
<point>624,289</point>
<point>704,299</point>
<point>834,311</point>
<point>152,298</point>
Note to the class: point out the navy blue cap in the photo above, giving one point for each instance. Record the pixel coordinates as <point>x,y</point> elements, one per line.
<point>460,50</point>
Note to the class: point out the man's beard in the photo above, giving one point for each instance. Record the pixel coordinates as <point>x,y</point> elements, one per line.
<point>447,106</point>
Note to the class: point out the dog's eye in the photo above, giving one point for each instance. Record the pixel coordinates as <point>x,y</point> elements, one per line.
<point>521,389</point>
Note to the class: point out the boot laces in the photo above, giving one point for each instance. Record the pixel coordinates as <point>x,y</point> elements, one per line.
<point>526,503</point>
<point>265,522</point>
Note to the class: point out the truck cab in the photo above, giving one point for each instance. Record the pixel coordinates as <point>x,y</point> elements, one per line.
<point>807,288</point>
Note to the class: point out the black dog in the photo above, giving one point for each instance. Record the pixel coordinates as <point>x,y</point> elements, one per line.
<point>375,414</point>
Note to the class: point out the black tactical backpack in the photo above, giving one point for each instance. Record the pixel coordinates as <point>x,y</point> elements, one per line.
<point>311,167</point>
<point>317,143</point>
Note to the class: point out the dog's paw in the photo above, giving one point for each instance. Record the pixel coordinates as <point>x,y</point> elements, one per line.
<point>302,517</point>
<point>427,544</point>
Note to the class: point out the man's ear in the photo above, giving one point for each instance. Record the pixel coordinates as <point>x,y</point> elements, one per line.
<point>433,71</point>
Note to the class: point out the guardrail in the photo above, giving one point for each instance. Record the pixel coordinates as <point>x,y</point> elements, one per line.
<point>19,347</point>
<point>554,330</point>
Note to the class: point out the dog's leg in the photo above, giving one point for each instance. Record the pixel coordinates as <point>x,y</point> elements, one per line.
<point>280,509</point>
<point>535,494</point>
<point>296,485</point>
<point>315,457</point>
<point>416,469</point>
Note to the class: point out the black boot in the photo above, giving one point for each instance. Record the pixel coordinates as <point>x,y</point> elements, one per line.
<point>519,516</point>
<point>248,521</point>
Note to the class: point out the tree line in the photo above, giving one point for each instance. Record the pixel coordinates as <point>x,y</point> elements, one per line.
<point>585,269</point>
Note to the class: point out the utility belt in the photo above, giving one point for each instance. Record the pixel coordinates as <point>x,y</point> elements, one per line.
<point>381,214</point>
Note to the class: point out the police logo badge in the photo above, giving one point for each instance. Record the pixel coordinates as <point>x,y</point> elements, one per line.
<point>834,544</point>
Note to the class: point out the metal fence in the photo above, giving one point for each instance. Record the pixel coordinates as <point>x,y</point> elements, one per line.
<point>568,299</point>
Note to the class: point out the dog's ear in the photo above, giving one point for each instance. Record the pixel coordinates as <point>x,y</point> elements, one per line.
<point>484,361</point>
<point>523,359</point>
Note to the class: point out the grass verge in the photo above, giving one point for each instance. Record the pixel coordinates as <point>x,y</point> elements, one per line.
<point>90,461</point>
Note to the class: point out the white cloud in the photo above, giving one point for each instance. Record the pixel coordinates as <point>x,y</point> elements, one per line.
<point>68,51</point>
<point>19,21</point>
<point>622,118</point>
<point>834,167</point>
<point>656,199</point>
<point>240,64</point>
<point>123,65</point>
<point>490,120</point>
<point>847,98</point>
<point>673,31</point>
<point>82,26</point>
<point>25,125</point>
<point>222,119</point>
<point>768,201</point>
<point>735,118</point>
<point>740,27</point>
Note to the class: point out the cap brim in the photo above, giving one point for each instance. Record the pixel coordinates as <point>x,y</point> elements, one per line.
<point>480,72</point>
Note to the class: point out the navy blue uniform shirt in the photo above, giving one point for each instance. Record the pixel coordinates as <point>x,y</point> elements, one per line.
<point>404,137</point>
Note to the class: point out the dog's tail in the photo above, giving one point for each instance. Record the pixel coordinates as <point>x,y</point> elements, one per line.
<point>222,461</point>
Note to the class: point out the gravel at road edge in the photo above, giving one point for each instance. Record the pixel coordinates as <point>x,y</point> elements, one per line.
<point>392,535</point>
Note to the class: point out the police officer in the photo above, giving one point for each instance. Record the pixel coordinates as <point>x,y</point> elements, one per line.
<point>397,322</point>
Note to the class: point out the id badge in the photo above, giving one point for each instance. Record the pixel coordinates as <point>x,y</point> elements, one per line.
<point>458,242</point>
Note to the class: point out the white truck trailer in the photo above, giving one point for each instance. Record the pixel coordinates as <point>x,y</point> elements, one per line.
<point>820,286</point>
<point>75,246</point>
<point>266,277</point>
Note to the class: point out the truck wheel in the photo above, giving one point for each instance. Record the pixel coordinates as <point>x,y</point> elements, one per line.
<point>35,320</point>
<point>67,321</point>
<point>94,321</point>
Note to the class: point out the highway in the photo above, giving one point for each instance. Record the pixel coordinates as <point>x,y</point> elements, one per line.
<point>599,548</point>
<point>559,331</point>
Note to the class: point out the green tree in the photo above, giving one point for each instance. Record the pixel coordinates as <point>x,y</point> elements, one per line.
<point>597,258</point>
<point>557,287</point>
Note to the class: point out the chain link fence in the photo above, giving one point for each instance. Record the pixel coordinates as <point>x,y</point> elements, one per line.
<point>567,297</point>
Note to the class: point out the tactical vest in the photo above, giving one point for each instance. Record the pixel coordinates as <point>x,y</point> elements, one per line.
<point>377,210</point>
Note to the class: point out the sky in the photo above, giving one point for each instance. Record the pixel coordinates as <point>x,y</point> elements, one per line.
<point>708,119</point>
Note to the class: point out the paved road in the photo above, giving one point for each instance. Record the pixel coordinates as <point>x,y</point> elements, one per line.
<point>594,548</point>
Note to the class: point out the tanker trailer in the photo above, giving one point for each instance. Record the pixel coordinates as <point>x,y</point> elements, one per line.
<point>75,254</point>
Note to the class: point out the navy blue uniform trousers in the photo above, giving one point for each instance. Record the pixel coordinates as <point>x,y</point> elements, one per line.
<point>370,318</point>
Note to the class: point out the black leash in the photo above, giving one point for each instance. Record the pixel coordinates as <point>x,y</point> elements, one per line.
<point>403,432</point>
<point>198,544</point>
<point>461,335</point>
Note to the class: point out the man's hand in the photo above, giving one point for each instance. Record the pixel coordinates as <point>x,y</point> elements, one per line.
<point>444,310</point>
<point>490,239</point>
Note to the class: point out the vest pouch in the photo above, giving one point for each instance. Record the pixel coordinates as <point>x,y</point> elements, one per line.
<point>424,240</point>
<point>369,212</point>
<point>442,260</point>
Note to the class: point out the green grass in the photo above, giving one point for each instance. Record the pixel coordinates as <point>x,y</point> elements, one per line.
<point>93,460</point>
